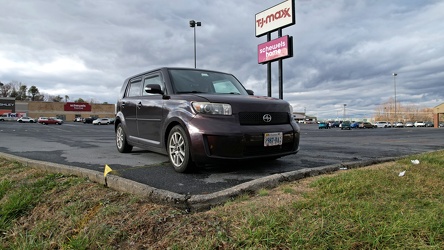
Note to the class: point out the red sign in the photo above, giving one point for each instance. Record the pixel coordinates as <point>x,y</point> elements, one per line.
<point>275,49</point>
<point>77,106</point>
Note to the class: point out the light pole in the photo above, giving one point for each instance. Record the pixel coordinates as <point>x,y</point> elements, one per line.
<point>193,25</point>
<point>344,112</point>
<point>394,84</point>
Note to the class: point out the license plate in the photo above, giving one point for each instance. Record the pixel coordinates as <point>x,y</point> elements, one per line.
<point>272,139</point>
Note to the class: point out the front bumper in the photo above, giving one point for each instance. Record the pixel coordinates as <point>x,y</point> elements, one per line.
<point>212,141</point>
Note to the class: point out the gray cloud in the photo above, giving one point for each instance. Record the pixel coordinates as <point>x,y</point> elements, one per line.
<point>345,51</point>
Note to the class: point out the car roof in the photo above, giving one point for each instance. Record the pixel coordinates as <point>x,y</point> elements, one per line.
<point>170,68</point>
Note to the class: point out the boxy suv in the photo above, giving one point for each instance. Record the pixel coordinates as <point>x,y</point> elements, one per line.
<point>200,116</point>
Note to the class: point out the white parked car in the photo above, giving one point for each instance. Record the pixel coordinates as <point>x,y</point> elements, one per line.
<point>101,121</point>
<point>26,119</point>
<point>420,124</point>
<point>409,124</point>
<point>382,124</point>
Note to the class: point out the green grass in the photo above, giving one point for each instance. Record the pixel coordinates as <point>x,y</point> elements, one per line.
<point>366,208</point>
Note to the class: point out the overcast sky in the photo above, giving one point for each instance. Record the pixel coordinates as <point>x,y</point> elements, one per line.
<point>345,51</point>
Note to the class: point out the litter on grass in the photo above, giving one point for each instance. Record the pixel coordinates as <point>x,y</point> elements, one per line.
<point>402,174</point>
<point>416,162</point>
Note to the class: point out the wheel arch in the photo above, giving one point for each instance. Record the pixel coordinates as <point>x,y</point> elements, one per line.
<point>167,130</point>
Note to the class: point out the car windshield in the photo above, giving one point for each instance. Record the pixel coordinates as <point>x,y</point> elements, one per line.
<point>198,81</point>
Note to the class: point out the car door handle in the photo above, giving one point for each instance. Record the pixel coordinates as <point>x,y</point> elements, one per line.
<point>139,105</point>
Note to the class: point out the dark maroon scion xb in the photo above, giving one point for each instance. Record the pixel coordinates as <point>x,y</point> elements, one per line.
<point>200,116</point>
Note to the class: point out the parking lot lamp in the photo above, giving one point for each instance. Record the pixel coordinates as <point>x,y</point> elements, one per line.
<point>193,25</point>
<point>344,112</point>
<point>394,84</point>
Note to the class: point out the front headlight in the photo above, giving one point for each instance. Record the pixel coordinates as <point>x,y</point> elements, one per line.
<point>212,108</point>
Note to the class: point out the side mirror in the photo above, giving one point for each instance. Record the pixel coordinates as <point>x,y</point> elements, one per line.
<point>153,89</point>
<point>250,92</point>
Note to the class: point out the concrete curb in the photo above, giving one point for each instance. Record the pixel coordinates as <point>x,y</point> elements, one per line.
<point>190,202</point>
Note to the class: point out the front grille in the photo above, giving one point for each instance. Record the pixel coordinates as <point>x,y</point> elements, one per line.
<point>257,118</point>
<point>247,145</point>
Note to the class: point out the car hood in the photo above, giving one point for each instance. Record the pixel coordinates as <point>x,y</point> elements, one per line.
<point>248,103</point>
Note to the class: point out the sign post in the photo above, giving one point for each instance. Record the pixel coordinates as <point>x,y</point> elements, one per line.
<point>268,21</point>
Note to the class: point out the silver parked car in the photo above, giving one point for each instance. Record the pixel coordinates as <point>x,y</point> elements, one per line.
<point>409,125</point>
<point>399,125</point>
<point>383,124</point>
<point>101,121</point>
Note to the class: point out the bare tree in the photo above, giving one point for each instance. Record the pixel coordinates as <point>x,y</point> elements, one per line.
<point>386,112</point>
<point>5,89</point>
<point>57,98</point>
<point>21,93</point>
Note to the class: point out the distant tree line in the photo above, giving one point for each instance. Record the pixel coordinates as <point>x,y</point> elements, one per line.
<point>386,112</point>
<point>21,92</point>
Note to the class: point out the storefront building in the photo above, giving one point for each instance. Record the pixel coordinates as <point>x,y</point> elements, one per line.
<point>66,111</point>
<point>7,105</point>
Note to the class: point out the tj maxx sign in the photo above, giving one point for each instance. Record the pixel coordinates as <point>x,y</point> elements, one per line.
<point>278,16</point>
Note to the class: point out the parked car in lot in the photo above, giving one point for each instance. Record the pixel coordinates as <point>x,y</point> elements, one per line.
<point>201,116</point>
<point>78,119</point>
<point>420,124</point>
<point>429,124</point>
<point>8,117</point>
<point>399,125</point>
<point>409,124</point>
<point>355,125</point>
<point>383,124</point>
<point>50,120</point>
<point>334,124</point>
<point>345,125</point>
<point>88,120</point>
<point>101,121</point>
<point>323,125</point>
<point>26,119</point>
<point>366,125</point>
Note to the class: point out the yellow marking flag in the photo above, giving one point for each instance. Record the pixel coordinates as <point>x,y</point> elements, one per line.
<point>107,170</point>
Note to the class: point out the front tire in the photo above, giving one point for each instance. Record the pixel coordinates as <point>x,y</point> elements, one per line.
<point>121,142</point>
<point>178,147</point>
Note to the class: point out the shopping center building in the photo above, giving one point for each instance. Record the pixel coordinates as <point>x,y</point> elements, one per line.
<point>66,111</point>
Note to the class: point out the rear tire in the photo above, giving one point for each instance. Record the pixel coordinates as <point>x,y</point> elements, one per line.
<point>121,142</point>
<point>178,147</point>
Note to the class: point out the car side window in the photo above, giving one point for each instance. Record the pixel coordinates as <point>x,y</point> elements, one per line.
<point>135,89</point>
<point>153,79</point>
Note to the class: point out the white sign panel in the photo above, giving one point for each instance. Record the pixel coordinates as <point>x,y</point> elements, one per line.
<point>278,16</point>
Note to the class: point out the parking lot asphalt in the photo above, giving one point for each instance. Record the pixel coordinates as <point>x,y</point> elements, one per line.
<point>88,148</point>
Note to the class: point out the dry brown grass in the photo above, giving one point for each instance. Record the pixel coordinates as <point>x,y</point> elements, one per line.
<point>77,208</point>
